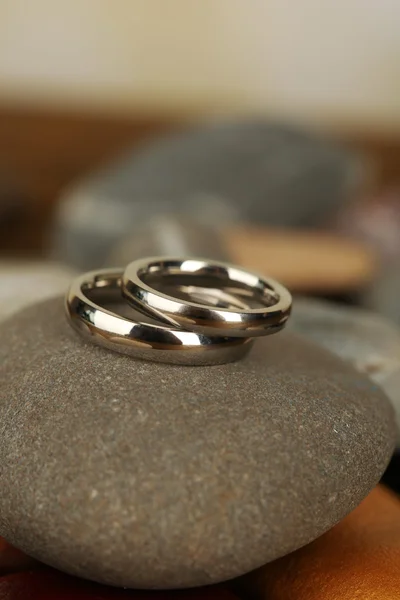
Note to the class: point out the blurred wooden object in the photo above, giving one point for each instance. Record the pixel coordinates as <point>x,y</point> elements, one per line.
<point>305,261</point>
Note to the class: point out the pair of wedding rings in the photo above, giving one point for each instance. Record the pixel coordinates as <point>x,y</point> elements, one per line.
<point>195,311</point>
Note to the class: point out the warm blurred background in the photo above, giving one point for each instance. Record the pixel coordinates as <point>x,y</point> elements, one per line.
<point>84,83</point>
<point>265,132</point>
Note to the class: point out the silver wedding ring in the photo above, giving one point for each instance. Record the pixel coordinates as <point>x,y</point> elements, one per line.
<point>142,276</point>
<point>182,311</point>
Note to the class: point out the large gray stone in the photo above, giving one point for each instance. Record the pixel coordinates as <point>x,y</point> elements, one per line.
<point>148,475</point>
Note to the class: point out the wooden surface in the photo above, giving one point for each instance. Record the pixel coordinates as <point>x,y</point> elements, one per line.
<point>305,261</point>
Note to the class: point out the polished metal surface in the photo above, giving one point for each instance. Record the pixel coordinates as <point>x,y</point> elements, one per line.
<point>142,280</point>
<point>143,340</point>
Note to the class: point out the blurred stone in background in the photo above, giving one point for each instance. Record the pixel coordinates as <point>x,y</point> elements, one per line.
<point>170,235</point>
<point>363,338</point>
<point>384,292</point>
<point>375,220</point>
<point>26,282</point>
<point>247,171</point>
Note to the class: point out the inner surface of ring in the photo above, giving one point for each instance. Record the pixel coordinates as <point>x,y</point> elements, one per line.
<point>105,290</point>
<point>222,297</point>
<point>171,280</point>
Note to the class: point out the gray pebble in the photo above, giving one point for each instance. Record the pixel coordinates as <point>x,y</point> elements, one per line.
<point>146,475</point>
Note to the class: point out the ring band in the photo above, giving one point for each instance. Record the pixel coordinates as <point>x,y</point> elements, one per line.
<point>141,275</point>
<point>147,341</point>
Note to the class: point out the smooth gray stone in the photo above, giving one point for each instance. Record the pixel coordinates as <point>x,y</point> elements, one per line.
<point>140,474</point>
<point>253,170</point>
<point>367,340</point>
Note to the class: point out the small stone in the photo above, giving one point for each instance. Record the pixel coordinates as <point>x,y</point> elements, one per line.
<point>201,475</point>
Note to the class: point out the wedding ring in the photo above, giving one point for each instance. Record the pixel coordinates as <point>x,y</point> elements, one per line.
<point>143,279</point>
<point>149,341</point>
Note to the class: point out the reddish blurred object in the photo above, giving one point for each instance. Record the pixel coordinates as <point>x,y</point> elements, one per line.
<point>12,560</point>
<point>376,221</point>
<point>53,585</point>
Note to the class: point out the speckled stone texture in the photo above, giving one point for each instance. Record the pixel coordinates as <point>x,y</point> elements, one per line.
<point>147,475</point>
